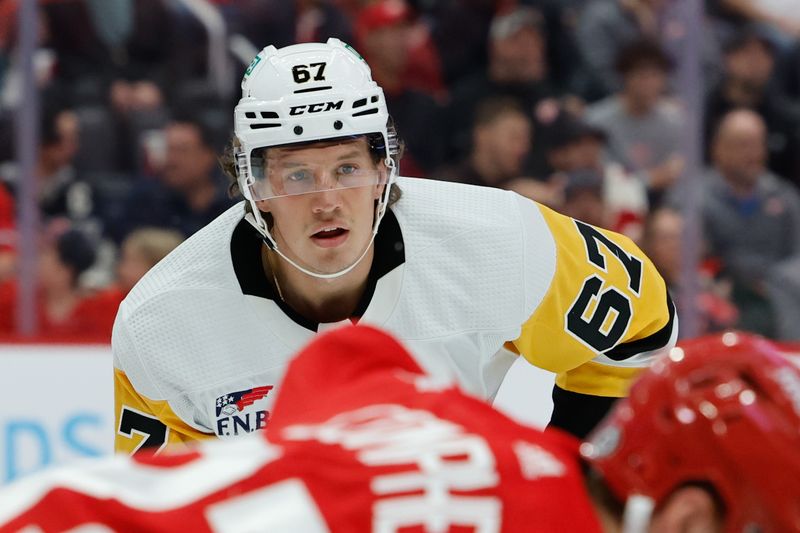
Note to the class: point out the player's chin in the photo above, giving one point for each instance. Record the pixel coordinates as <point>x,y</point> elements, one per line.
<point>335,260</point>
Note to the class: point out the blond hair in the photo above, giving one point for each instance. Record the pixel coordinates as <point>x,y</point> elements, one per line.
<point>153,243</point>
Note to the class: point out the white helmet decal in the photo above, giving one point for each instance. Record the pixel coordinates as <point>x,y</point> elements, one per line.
<point>305,93</point>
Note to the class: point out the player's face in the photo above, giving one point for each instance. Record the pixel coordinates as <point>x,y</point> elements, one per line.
<point>327,230</point>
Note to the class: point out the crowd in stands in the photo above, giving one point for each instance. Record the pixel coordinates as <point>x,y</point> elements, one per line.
<point>572,103</point>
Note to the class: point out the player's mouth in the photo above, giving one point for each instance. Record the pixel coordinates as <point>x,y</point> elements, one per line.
<point>330,236</point>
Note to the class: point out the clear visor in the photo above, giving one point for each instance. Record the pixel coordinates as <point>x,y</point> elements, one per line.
<point>276,177</point>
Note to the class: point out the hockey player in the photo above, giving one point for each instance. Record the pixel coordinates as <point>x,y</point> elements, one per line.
<point>706,442</point>
<point>468,277</point>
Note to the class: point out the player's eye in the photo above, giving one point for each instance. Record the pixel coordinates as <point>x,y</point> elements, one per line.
<point>347,169</point>
<point>298,176</point>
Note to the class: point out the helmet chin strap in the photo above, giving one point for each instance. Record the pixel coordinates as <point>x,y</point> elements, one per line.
<point>257,221</point>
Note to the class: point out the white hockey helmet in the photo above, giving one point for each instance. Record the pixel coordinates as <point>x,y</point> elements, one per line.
<point>305,93</point>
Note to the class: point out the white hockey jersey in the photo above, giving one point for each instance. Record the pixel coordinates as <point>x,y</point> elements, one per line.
<point>201,343</point>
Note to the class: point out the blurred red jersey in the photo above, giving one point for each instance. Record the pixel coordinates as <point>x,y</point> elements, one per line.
<point>362,440</point>
<point>7,234</point>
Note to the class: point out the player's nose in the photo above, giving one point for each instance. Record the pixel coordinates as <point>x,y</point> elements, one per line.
<point>326,200</point>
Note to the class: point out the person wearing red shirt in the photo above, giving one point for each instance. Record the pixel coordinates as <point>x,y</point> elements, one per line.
<point>7,234</point>
<point>63,310</point>
<point>6,213</point>
<point>139,252</point>
<point>405,63</point>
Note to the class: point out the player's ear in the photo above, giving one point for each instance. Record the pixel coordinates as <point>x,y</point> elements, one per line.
<point>263,206</point>
<point>382,183</point>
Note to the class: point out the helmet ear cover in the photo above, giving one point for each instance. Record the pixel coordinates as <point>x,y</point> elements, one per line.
<point>721,411</point>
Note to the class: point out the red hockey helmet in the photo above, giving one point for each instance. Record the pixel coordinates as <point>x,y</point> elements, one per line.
<point>722,410</point>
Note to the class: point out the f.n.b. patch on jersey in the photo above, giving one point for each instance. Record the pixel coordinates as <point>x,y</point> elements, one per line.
<point>234,418</point>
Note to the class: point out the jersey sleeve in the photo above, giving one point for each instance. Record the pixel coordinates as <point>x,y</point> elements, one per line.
<point>605,315</point>
<point>142,422</point>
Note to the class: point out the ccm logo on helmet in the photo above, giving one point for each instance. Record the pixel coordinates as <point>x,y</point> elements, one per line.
<point>315,108</point>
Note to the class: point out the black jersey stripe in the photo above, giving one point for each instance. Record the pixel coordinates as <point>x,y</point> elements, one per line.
<point>657,340</point>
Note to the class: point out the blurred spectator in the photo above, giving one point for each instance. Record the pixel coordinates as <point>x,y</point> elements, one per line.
<point>460,30</point>
<point>140,252</point>
<point>752,223</point>
<point>10,69</point>
<point>114,61</point>
<point>574,151</point>
<point>604,28</point>
<point>776,18</point>
<point>60,191</point>
<point>501,139</point>
<point>788,73</point>
<point>518,49</point>
<point>285,22</point>
<point>583,197</point>
<point>62,308</point>
<point>564,57</point>
<point>749,66</point>
<point>644,128</point>
<point>188,193</point>
<point>131,96</point>
<point>7,235</point>
<point>387,40</point>
<point>391,37</point>
<point>662,244</point>
<point>7,15</point>
<point>99,41</point>
<point>113,71</point>
<point>517,68</point>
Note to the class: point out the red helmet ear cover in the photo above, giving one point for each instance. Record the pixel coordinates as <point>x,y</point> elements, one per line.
<point>724,410</point>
